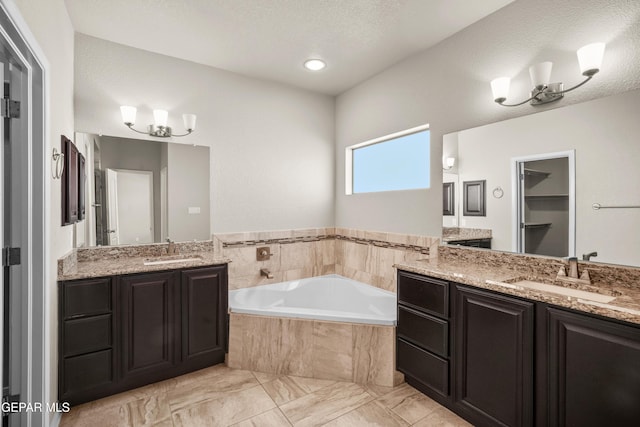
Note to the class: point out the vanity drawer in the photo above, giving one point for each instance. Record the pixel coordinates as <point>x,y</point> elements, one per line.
<point>86,297</point>
<point>426,331</point>
<point>87,371</point>
<point>87,334</point>
<point>424,293</point>
<point>425,367</point>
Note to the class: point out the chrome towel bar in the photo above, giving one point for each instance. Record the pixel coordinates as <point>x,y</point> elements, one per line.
<point>597,206</point>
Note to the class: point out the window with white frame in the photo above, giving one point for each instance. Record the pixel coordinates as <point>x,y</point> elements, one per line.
<point>399,161</point>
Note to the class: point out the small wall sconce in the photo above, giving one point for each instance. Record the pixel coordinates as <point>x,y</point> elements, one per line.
<point>543,92</point>
<point>448,163</point>
<point>159,128</point>
<point>57,164</point>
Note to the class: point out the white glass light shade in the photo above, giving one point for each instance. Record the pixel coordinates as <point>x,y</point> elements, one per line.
<point>500,88</point>
<point>590,58</point>
<point>160,117</point>
<point>314,64</point>
<point>128,114</point>
<point>450,161</point>
<point>189,121</point>
<point>540,74</point>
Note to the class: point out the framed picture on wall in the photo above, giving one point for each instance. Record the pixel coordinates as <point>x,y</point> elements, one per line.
<point>448,199</point>
<point>474,198</point>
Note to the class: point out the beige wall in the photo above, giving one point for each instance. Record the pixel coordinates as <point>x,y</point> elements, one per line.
<point>188,187</point>
<point>272,145</point>
<point>448,87</point>
<point>50,24</point>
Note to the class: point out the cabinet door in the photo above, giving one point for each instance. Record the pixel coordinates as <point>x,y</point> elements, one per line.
<point>594,371</point>
<point>204,313</point>
<point>493,357</point>
<point>149,314</point>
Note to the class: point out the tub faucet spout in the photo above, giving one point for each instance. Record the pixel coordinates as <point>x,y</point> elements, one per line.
<point>266,273</point>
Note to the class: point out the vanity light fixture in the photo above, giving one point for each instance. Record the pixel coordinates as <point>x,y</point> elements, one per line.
<point>543,92</point>
<point>159,128</point>
<point>448,163</point>
<point>314,64</point>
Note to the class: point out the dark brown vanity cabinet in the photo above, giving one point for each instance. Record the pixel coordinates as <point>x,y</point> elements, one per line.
<point>494,356</point>
<point>423,332</point>
<point>204,331</point>
<point>123,332</point>
<point>150,308</point>
<point>515,362</point>
<point>87,344</point>
<point>594,371</point>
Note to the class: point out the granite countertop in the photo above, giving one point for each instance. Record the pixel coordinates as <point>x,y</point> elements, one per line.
<point>116,266</point>
<point>625,306</point>
<point>450,234</point>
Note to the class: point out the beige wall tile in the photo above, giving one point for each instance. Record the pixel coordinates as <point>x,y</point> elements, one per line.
<point>332,351</point>
<point>236,348</point>
<point>277,345</point>
<point>373,360</point>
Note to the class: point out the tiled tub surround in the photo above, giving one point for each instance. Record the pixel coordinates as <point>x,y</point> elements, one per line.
<point>360,255</point>
<point>479,268</point>
<point>353,352</point>
<point>116,260</point>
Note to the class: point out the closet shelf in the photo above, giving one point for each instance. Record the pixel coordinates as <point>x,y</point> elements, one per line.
<point>546,196</point>
<point>533,172</point>
<point>536,224</point>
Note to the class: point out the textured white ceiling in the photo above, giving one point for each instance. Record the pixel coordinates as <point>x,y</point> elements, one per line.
<point>270,39</point>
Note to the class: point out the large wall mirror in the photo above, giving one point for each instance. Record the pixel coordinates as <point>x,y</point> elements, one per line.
<point>562,182</point>
<point>141,191</point>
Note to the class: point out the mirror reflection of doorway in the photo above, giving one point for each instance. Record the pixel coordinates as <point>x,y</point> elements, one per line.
<point>546,204</point>
<point>130,206</point>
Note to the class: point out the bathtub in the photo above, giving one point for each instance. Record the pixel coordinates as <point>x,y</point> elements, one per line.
<point>326,327</point>
<point>328,298</point>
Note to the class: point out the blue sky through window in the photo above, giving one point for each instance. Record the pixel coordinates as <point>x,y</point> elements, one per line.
<point>396,164</point>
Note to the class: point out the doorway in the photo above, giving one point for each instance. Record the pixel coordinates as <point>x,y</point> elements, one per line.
<point>24,346</point>
<point>545,204</point>
<point>130,206</point>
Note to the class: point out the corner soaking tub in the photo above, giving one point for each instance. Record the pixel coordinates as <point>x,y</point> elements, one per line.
<point>326,327</point>
<point>331,298</point>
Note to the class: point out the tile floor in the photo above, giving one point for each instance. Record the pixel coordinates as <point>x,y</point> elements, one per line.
<point>220,396</point>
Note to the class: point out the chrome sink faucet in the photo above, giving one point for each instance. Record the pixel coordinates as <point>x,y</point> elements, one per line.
<point>572,275</point>
<point>573,268</point>
<point>171,249</point>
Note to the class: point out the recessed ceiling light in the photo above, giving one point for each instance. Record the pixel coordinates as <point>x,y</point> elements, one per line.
<point>314,64</point>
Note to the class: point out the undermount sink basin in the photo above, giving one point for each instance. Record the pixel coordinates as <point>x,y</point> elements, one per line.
<point>559,290</point>
<point>171,259</point>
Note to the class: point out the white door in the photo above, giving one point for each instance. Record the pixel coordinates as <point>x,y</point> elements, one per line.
<point>129,206</point>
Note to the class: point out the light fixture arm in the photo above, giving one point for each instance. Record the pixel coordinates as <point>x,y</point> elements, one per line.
<point>501,100</point>
<point>189,132</point>
<point>130,126</point>
<point>562,92</point>
<point>550,95</point>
